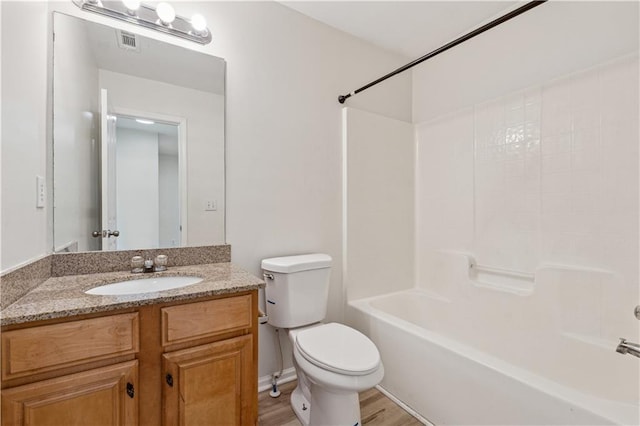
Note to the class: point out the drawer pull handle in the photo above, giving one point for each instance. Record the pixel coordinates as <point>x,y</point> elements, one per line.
<point>130,390</point>
<point>169,379</point>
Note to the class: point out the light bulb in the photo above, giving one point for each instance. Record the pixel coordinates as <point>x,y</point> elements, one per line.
<point>131,5</point>
<point>165,13</point>
<point>198,23</point>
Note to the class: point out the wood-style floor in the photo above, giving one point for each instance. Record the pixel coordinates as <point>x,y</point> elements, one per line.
<point>375,408</point>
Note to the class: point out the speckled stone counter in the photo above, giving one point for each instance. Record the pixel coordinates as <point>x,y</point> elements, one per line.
<point>94,262</point>
<point>22,280</point>
<point>60,297</point>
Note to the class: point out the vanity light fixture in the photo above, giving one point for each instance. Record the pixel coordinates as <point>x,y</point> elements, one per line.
<point>161,18</point>
<point>166,13</point>
<point>199,24</point>
<point>132,6</point>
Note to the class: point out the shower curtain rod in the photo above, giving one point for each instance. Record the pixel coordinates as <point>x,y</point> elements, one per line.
<point>448,46</point>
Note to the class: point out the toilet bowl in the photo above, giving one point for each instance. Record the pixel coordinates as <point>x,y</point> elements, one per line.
<point>333,362</point>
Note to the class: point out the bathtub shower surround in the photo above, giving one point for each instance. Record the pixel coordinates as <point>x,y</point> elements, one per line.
<point>545,197</point>
<point>438,370</point>
<point>549,176</point>
<point>379,156</point>
<point>526,256</point>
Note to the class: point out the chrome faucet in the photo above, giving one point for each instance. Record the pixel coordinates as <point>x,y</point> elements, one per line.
<point>148,266</point>
<point>628,348</point>
<point>140,265</point>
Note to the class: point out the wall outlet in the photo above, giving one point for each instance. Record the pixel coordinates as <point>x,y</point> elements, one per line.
<point>210,206</point>
<point>41,192</point>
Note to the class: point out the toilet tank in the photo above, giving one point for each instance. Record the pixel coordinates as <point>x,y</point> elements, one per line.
<point>297,289</point>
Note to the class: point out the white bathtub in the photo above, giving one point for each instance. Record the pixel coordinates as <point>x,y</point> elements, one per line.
<point>448,363</point>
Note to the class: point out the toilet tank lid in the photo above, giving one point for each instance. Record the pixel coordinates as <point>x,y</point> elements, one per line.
<point>303,262</point>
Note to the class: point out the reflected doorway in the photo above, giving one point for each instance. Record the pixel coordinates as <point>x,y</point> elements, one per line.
<point>146,182</point>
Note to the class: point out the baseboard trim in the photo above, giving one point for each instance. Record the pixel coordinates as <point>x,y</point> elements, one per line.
<point>404,406</point>
<point>288,375</point>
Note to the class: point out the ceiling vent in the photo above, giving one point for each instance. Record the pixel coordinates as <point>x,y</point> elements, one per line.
<point>128,41</point>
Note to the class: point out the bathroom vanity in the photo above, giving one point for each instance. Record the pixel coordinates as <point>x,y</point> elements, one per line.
<point>183,356</point>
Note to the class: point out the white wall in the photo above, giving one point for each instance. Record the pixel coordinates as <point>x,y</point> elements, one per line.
<point>137,192</point>
<point>77,195</point>
<point>204,114</point>
<point>169,199</point>
<point>2,137</point>
<point>549,41</point>
<point>283,129</point>
<point>379,212</point>
<point>24,131</point>
<point>285,72</point>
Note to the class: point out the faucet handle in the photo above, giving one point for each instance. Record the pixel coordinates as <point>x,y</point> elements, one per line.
<point>137,262</point>
<point>161,263</point>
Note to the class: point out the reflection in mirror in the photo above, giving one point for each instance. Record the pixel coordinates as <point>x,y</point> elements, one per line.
<point>138,141</point>
<point>147,163</point>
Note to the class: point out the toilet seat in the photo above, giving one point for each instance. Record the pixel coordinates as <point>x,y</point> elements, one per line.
<point>338,348</point>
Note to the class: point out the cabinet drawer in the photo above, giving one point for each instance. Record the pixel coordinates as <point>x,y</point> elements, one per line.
<point>205,319</point>
<point>39,349</point>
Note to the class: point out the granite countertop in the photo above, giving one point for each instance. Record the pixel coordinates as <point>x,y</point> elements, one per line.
<point>60,297</point>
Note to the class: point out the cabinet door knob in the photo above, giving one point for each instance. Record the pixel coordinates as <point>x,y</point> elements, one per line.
<point>169,379</point>
<point>130,390</point>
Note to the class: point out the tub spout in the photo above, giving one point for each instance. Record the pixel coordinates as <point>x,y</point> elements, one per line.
<point>628,348</point>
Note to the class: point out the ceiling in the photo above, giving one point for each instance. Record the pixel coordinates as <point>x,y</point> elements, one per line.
<point>410,28</point>
<point>167,145</point>
<point>156,60</point>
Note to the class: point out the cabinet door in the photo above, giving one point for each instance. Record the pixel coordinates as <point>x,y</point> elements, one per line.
<point>210,384</point>
<point>102,396</point>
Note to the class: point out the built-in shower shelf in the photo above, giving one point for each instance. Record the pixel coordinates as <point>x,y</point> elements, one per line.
<point>511,281</point>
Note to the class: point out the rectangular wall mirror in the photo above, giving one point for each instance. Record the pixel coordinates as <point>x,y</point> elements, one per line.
<point>138,141</point>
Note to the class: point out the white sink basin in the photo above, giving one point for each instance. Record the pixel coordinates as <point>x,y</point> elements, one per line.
<point>143,285</point>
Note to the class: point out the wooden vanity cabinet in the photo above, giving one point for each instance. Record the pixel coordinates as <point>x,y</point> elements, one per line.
<point>101,396</point>
<point>186,363</point>
<point>70,373</point>
<point>211,383</point>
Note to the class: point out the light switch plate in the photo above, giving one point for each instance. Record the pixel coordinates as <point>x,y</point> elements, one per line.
<point>210,206</point>
<point>41,192</point>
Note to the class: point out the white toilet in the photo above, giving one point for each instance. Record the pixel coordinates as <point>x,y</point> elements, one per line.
<point>333,362</point>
